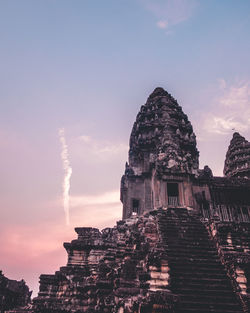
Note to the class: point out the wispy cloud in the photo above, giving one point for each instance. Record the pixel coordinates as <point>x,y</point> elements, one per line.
<point>99,210</point>
<point>67,173</point>
<point>235,96</point>
<point>101,149</point>
<point>111,197</point>
<point>170,12</point>
<point>230,110</point>
<point>162,24</point>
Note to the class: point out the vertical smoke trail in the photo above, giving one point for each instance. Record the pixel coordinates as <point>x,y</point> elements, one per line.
<point>67,173</point>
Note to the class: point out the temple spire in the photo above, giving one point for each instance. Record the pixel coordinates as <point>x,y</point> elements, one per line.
<point>237,163</point>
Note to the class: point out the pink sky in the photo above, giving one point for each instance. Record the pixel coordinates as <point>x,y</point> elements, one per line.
<point>35,248</point>
<point>87,68</point>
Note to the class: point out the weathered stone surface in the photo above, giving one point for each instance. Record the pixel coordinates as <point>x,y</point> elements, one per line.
<point>233,244</point>
<point>206,173</point>
<point>165,261</point>
<point>162,137</point>
<point>13,294</point>
<point>162,143</point>
<point>237,163</point>
<point>120,269</point>
<point>197,274</point>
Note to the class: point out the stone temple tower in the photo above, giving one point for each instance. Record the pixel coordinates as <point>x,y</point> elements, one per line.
<point>162,157</point>
<point>237,163</point>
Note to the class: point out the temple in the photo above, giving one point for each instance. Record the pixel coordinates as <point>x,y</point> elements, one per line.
<point>163,168</point>
<point>183,244</point>
<point>13,294</point>
<point>162,157</point>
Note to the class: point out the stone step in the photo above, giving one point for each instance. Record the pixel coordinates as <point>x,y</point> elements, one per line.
<point>206,298</point>
<point>211,306</point>
<point>179,220</point>
<point>202,286</point>
<point>202,275</point>
<point>193,254</point>
<point>197,274</point>
<point>194,246</point>
<point>182,246</point>
<point>202,280</point>
<point>185,221</point>
<point>187,266</point>
<point>175,236</point>
<point>211,293</point>
<point>197,261</point>
<point>187,226</point>
<point>173,232</point>
<point>186,269</point>
<point>199,310</point>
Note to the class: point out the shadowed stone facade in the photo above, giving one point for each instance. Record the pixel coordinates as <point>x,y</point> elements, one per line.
<point>184,242</point>
<point>13,294</point>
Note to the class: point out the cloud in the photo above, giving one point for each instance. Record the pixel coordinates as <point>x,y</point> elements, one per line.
<point>102,150</point>
<point>67,173</point>
<point>101,210</point>
<point>236,96</point>
<point>224,125</point>
<point>222,83</point>
<point>230,109</point>
<point>85,138</point>
<point>104,198</point>
<point>162,24</point>
<point>224,109</point>
<point>170,12</point>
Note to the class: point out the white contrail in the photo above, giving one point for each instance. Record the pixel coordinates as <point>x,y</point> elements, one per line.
<point>67,173</point>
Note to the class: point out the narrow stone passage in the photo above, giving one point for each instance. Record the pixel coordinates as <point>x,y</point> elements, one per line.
<point>197,275</point>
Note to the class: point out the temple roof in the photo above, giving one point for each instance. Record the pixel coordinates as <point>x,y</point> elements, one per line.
<point>163,134</point>
<point>237,163</point>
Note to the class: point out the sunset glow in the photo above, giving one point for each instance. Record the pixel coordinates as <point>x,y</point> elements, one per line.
<point>73,77</point>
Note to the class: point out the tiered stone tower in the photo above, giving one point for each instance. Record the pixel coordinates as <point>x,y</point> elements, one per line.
<point>237,162</point>
<point>162,152</point>
<point>162,137</point>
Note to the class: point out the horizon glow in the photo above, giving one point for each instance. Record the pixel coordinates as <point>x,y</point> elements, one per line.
<point>88,66</point>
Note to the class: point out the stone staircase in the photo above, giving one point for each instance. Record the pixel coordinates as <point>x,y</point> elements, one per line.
<point>197,274</point>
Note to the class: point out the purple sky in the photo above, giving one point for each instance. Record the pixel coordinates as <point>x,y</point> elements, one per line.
<point>87,67</point>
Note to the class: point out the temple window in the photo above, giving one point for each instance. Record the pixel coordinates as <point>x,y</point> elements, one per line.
<point>135,206</point>
<point>173,194</point>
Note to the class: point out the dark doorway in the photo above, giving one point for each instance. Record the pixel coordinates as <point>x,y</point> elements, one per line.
<point>135,206</point>
<point>173,194</point>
